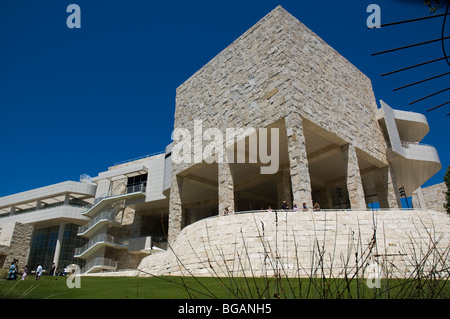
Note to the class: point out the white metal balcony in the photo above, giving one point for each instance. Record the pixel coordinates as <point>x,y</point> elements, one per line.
<point>413,163</point>
<point>99,264</point>
<point>105,218</point>
<point>99,203</point>
<point>98,242</point>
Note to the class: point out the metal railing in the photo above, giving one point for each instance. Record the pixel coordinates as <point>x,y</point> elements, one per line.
<point>100,238</point>
<point>141,188</point>
<point>34,209</point>
<point>136,188</point>
<point>300,210</point>
<point>407,144</point>
<point>138,158</point>
<point>100,262</point>
<point>109,216</point>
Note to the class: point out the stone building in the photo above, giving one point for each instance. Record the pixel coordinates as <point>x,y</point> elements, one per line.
<point>335,147</point>
<point>277,116</point>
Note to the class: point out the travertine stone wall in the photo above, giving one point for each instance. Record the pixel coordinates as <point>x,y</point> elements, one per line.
<point>330,91</point>
<point>175,207</point>
<point>18,244</point>
<point>6,233</point>
<point>225,188</point>
<point>433,197</point>
<point>245,85</point>
<point>299,168</point>
<point>388,194</point>
<point>353,176</point>
<point>261,244</point>
<point>279,69</point>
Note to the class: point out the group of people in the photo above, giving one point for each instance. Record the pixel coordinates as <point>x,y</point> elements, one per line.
<point>284,207</point>
<point>13,272</point>
<point>304,207</point>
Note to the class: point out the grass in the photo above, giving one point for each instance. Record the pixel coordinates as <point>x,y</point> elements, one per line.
<point>204,288</point>
<point>96,288</point>
<point>111,288</point>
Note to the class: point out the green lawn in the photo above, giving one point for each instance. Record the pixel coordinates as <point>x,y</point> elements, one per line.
<point>94,288</point>
<point>112,288</point>
<point>203,288</point>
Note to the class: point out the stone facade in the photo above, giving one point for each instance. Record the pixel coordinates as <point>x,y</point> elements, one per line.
<point>299,171</point>
<point>354,182</point>
<point>432,197</point>
<point>15,243</point>
<point>262,244</point>
<point>279,73</point>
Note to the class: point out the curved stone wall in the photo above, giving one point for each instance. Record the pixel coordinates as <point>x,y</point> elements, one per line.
<point>305,244</point>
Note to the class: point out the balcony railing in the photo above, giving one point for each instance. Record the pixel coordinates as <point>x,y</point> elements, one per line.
<point>102,238</point>
<point>44,207</point>
<point>100,262</point>
<point>408,144</point>
<point>136,188</point>
<point>100,202</point>
<point>130,189</point>
<point>107,216</point>
<point>138,158</point>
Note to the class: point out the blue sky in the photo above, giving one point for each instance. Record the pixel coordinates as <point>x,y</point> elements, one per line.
<point>76,101</point>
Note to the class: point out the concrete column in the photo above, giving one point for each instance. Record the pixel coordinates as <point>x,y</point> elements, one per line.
<point>66,199</point>
<point>225,188</point>
<point>103,188</point>
<point>298,161</point>
<point>353,175</point>
<point>59,241</point>
<point>284,188</point>
<point>175,208</point>
<point>392,197</point>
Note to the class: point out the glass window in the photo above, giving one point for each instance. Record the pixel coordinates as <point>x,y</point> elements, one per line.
<point>43,244</point>
<point>137,180</point>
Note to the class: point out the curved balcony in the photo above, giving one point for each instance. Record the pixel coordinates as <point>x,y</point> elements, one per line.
<point>413,163</point>
<point>411,126</point>
<point>100,241</point>
<point>105,218</point>
<point>402,125</point>
<point>419,152</point>
<point>67,193</point>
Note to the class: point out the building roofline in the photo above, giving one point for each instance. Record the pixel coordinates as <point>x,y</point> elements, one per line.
<point>49,191</point>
